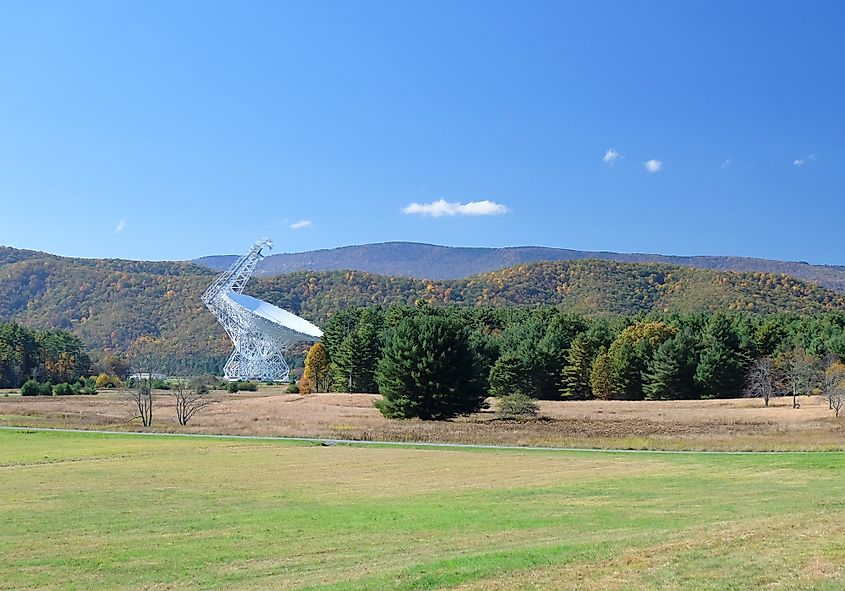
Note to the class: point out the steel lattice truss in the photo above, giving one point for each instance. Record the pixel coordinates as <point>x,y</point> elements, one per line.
<point>259,342</point>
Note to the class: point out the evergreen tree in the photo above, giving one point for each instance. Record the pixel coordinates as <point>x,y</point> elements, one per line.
<point>721,368</point>
<point>369,353</point>
<point>341,324</point>
<point>600,382</point>
<point>509,375</point>
<point>671,372</point>
<point>625,372</point>
<point>429,370</point>
<point>576,374</point>
<point>355,360</point>
<point>345,366</point>
<point>46,355</point>
<point>629,356</point>
<point>552,353</point>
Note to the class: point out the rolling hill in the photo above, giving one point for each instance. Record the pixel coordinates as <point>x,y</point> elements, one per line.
<point>117,306</point>
<point>427,261</point>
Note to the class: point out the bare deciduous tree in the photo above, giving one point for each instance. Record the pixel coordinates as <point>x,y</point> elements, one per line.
<point>799,369</point>
<point>760,380</point>
<point>191,397</point>
<point>836,399</point>
<point>145,358</point>
<point>834,376</point>
<point>141,393</point>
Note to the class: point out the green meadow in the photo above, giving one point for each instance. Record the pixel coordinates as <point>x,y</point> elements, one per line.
<point>88,511</point>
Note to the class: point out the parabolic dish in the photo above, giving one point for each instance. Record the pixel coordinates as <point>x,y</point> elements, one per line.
<point>280,324</point>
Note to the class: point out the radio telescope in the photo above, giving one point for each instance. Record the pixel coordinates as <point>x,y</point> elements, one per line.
<point>261,332</point>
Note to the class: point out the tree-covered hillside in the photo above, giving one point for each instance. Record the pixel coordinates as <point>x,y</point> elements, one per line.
<point>590,287</point>
<point>412,259</point>
<point>122,306</point>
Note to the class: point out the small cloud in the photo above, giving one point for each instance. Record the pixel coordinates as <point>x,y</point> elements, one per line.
<point>653,165</point>
<point>300,224</point>
<point>611,156</point>
<point>120,226</point>
<point>803,161</point>
<point>725,163</point>
<point>442,207</point>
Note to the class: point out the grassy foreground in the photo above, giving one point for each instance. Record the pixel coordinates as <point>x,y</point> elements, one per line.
<point>103,512</point>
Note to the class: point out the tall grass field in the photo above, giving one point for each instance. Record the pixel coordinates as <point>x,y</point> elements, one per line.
<point>91,511</point>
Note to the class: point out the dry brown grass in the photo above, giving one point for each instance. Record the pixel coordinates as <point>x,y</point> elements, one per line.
<point>695,424</point>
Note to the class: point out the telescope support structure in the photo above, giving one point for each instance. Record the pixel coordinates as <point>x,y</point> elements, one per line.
<point>257,355</point>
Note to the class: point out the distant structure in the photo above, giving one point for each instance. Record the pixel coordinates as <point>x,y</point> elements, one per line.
<point>261,332</point>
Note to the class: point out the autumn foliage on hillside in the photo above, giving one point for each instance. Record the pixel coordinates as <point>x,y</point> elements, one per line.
<point>119,307</point>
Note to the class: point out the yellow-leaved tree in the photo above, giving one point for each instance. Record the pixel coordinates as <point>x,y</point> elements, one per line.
<point>316,377</point>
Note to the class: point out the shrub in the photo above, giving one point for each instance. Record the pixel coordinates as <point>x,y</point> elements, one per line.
<point>517,405</point>
<point>199,386</point>
<point>66,389</point>
<point>292,389</point>
<point>87,386</point>
<point>160,385</point>
<point>248,386</point>
<point>232,387</point>
<point>304,385</point>
<point>105,380</point>
<point>30,388</point>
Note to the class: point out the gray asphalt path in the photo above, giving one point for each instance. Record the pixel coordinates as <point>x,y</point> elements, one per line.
<point>421,444</point>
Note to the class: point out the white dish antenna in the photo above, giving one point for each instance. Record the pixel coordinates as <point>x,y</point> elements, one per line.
<point>261,332</point>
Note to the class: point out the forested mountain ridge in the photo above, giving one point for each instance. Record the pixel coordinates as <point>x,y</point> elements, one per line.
<point>589,286</point>
<point>428,261</point>
<point>119,306</point>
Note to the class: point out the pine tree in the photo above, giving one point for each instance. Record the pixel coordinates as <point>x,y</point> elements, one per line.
<point>340,325</point>
<point>625,373</point>
<point>508,376</point>
<point>552,350</point>
<point>576,374</point>
<point>721,368</point>
<point>600,382</point>
<point>671,371</point>
<point>369,353</point>
<point>429,370</point>
<point>355,360</point>
<point>344,365</point>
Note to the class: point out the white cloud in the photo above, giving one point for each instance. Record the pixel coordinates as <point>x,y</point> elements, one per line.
<point>300,224</point>
<point>611,155</point>
<point>653,165</point>
<point>120,226</point>
<point>803,161</point>
<point>442,207</point>
<point>726,163</point>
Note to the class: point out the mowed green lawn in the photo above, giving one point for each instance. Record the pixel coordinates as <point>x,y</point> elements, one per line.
<point>92,511</point>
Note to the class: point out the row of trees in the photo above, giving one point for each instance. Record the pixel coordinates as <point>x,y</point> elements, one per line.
<point>796,373</point>
<point>542,352</point>
<point>55,356</point>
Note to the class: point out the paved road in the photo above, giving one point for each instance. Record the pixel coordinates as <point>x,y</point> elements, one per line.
<point>355,442</point>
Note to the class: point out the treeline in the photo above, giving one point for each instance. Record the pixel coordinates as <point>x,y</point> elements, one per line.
<point>55,356</point>
<point>548,353</point>
<point>116,307</point>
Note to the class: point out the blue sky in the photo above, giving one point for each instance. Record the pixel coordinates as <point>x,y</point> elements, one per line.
<point>169,130</point>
